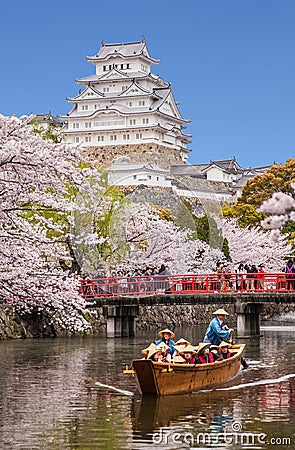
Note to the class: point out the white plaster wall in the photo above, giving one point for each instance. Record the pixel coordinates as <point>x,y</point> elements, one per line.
<point>215,174</point>
<point>127,179</point>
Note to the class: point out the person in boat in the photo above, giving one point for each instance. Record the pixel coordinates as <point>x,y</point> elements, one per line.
<point>167,336</point>
<point>215,350</point>
<point>188,354</point>
<point>216,331</point>
<point>204,356</point>
<point>166,352</point>
<point>224,350</point>
<point>180,345</point>
<point>156,355</point>
<point>146,350</point>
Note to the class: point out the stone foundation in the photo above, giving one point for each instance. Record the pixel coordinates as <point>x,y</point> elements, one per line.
<point>12,326</point>
<point>156,154</point>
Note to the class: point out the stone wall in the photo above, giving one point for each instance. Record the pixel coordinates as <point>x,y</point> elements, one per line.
<point>42,324</point>
<point>176,315</point>
<point>156,154</point>
<point>12,326</point>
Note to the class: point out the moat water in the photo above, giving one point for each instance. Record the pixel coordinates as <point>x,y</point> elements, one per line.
<point>71,394</point>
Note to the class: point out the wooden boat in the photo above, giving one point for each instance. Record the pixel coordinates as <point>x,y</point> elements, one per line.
<point>156,378</point>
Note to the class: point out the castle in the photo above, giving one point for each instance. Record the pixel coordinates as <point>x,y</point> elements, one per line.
<point>124,107</point>
<point>127,119</point>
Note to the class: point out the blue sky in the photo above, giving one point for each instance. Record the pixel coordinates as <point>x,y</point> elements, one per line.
<point>231,64</point>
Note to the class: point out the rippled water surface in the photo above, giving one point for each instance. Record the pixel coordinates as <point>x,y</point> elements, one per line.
<point>72,394</point>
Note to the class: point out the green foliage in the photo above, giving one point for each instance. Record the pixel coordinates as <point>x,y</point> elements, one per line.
<point>259,189</point>
<point>206,230</point>
<point>277,179</point>
<point>246,214</point>
<point>163,212</point>
<point>50,132</point>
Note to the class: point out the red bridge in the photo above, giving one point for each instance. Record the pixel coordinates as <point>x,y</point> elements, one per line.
<point>124,286</point>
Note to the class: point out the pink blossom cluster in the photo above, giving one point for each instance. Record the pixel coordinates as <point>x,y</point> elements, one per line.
<point>253,244</point>
<point>280,209</point>
<point>35,178</point>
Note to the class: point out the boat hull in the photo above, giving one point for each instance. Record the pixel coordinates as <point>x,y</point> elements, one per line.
<point>153,378</point>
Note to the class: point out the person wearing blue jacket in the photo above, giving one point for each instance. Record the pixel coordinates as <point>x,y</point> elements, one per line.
<point>216,332</point>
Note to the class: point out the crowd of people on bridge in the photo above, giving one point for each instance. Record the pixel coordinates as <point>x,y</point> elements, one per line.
<point>250,276</point>
<point>147,280</point>
<point>216,345</point>
<point>154,280</point>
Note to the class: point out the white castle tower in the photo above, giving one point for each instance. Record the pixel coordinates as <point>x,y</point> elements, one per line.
<point>125,109</point>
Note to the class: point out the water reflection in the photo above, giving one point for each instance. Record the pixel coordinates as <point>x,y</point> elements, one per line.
<point>50,399</point>
<point>223,415</point>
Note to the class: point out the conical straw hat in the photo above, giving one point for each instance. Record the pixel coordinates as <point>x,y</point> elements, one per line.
<point>163,346</point>
<point>181,342</point>
<point>221,311</point>
<point>203,345</point>
<point>166,331</point>
<point>154,350</point>
<point>150,347</point>
<point>180,348</point>
<point>224,344</point>
<point>188,349</point>
<point>178,359</point>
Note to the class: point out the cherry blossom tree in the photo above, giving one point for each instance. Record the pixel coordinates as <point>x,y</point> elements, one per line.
<point>38,179</point>
<point>280,209</point>
<point>144,239</point>
<point>253,244</point>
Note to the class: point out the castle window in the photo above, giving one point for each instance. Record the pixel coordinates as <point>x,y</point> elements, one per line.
<point>84,107</point>
<point>87,124</point>
<point>106,89</point>
<point>75,125</point>
<point>124,87</point>
<point>143,67</point>
<point>132,121</point>
<point>77,139</point>
<point>145,120</point>
<point>149,177</point>
<point>126,137</point>
<point>113,137</point>
<point>138,136</point>
<point>157,178</point>
<point>104,68</point>
<point>100,138</point>
<point>128,66</point>
<point>87,138</point>
<point>134,177</point>
<point>141,102</point>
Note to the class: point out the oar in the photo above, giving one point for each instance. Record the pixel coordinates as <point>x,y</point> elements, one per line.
<point>243,361</point>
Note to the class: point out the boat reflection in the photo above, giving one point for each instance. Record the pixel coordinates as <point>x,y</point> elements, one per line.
<point>203,410</point>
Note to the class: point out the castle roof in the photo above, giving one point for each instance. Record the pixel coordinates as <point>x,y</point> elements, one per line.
<point>119,75</point>
<point>49,119</point>
<point>124,50</point>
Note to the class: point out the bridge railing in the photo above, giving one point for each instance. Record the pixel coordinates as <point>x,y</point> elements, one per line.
<point>186,284</point>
